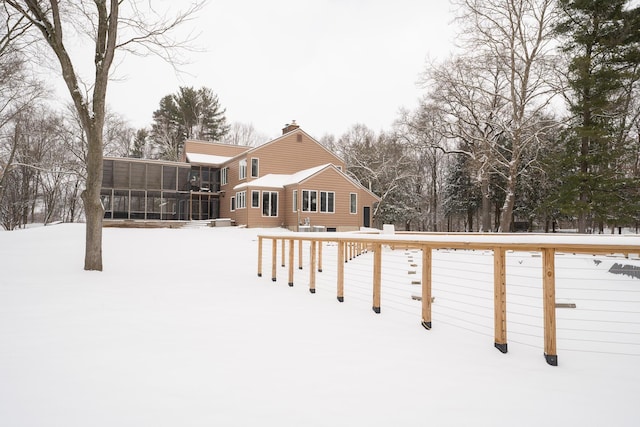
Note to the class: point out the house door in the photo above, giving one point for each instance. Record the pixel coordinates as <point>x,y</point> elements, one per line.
<point>214,208</point>
<point>366,212</point>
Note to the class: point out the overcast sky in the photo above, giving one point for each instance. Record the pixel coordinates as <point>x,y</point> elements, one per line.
<point>328,64</point>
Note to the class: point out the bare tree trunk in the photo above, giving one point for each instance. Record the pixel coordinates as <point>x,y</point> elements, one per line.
<point>485,224</point>
<point>506,214</point>
<point>7,168</point>
<point>434,192</point>
<point>584,169</point>
<point>92,204</point>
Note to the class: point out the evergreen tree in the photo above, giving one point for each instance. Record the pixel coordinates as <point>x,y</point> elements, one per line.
<point>139,143</point>
<point>166,134</point>
<point>187,114</point>
<point>602,39</point>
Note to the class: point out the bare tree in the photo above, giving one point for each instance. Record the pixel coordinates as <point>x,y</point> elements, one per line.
<point>20,180</point>
<point>13,25</point>
<point>118,136</point>
<point>422,132</point>
<point>518,36</point>
<point>243,134</point>
<point>18,94</point>
<point>465,93</point>
<point>135,31</point>
<point>41,169</point>
<point>382,164</point>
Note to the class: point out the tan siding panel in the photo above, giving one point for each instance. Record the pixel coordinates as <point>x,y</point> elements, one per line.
<point>288,156</point>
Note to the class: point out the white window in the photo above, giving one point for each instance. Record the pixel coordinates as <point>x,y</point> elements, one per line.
<point>242,169</point>
<point>223,176</point>
<point>309,201</point>
<point>241,200</point>
<point>295,200</point>
<point>254,167</point>
<point>233,204</point>
<point>327,199</point>
<point>269,203</point>
<point>353,206</point>
<point>255,199</point>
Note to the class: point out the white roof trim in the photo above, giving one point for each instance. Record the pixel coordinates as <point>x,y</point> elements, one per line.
<point>280,180</point>
<point>206,159</point>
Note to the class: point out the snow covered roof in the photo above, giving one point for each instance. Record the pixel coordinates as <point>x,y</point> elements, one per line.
<point>206,159</point>
<point>273,180</point>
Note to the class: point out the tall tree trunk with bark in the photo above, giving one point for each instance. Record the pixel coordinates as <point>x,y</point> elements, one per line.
<point>506,213</point>
<point>49,21</point>
<point>485,213</point>
<point>145,28</point>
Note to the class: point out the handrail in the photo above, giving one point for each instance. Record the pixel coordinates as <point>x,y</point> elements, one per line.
<point>353,243</point>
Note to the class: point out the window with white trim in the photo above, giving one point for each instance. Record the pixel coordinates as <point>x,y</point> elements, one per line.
<point>255,199</point>
<point>327,199</point>
<point>295,200</point>
<point>223,176</point>
<point>353,203</point>
<point>241,199</point>
<point>309,201</point>
<point>269,203</point>
<point>254,167</point>
<point>233,204</point>
<point>242,169</point>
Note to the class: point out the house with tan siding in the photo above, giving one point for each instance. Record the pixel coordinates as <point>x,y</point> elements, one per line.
<point>291,181</point>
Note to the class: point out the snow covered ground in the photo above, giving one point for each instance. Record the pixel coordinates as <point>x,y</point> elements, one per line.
<point>179,331</point>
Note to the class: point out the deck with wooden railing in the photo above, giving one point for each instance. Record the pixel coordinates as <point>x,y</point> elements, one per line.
<point>350,245</point>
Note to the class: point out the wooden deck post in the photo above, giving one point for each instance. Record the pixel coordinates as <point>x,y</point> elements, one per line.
<point>259,256</point>
<point>274,257</point>
<point>320,256</point>
<point>346,253</point>
<point>426,287</point>
<point>291,246</point>
<point>549,305</point>
<point>341,271</point>
<point>283,253</point>
<point>377,276</point>
<point>500,298</point>
<point>300,254</point>
<point>312,268</point>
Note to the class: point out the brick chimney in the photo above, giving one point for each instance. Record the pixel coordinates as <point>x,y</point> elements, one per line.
<point>290,127</point>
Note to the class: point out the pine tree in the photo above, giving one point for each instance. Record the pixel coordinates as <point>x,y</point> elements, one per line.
<point>602,38</point>
<point>187,114</point>
<point>139,143</point>
<point>166,134</point>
